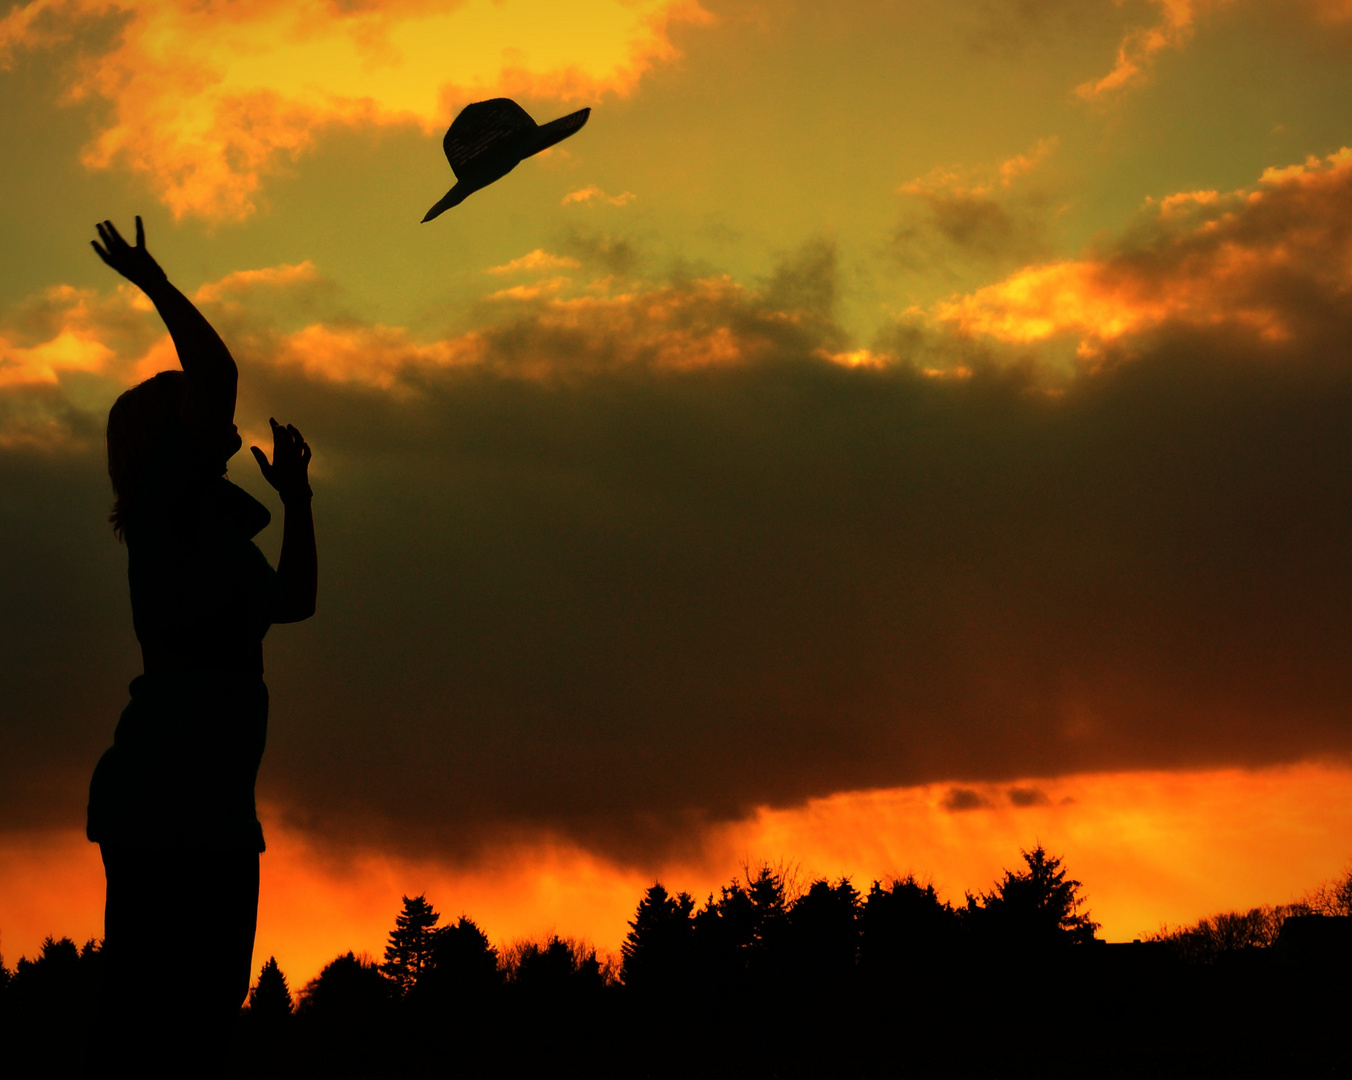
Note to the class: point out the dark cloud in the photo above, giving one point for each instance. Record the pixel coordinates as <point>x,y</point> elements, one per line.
<point>604,251</point>
<point>656,560</point>
<point>956,800</point>
<point>1028,796</point>
<point>956,231</point>
<point>991,218</point>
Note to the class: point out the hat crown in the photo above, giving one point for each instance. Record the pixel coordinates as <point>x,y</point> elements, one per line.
<point>484,131</point>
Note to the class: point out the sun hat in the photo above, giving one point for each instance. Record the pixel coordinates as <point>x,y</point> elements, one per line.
<point>491,138</point>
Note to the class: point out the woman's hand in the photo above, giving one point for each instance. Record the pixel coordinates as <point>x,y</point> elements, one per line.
<point>289,469</point>
<point>133,263</point>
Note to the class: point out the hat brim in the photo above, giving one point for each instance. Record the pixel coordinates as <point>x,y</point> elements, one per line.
<point>542,138</point>
<point>546,135</point>
<point>454,197</point>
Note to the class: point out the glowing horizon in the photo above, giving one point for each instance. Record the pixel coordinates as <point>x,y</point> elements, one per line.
<point>1151,849</point>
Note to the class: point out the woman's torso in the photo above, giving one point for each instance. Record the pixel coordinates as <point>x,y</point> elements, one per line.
<point>186,751</point>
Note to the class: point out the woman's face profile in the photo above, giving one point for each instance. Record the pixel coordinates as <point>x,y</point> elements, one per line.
<point>232,442</point>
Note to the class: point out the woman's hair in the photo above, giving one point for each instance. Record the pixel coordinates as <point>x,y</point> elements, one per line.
<point>137,423</point>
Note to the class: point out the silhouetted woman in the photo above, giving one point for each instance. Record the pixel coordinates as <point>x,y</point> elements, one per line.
<point>171,804</point>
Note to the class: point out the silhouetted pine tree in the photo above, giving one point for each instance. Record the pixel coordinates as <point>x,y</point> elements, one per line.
<point>410,944</point>
<point>656,950</point>
<point>905,927</point>
<point>345,1014</point>
<point>1037,908</point>
<point>270,1000</point>
<point>349,989</point>
<point>461,970</point>
<point>48,999</point>
<point>739,933</point>
<point>824,934</point>
<point>558,968</point>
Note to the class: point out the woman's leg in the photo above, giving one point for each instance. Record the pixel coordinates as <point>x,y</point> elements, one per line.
<point>178,939</point>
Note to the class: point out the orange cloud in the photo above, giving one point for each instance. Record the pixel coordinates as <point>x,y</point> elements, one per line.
<point>70,350</point>
<point>539,259</point>
<point>242,282</point>
<point>374,355</point>
<point>955,181</point>
<point>210,98</point>
<point>535,333</point>
<point>1150,848</point>
<point>1141,47</point>
<point>1262,259</point>
<point>592,193</point>
<point>1138,50</point>
<point>65,330</point>
<point>545,333</point>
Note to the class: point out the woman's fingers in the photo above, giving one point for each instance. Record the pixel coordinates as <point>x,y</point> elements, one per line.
<point>101,253</point>
<point>117,236</point>
<point>140,233</point>
<point>288,446</point>
<point>114,247</point>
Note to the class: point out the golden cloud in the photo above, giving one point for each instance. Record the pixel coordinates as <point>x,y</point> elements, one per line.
<point>547,332</point>
<point>956,181</point>
<point>543,330</point>
<point>996,213</point>
<point>243,282</point>
<point>209,98</point>
<point>539,259</point>
<point>1141,47</point>
<point>1138,50</point>
<point>373,355</point>
<point>1261,259</point>
<point>592,193</point>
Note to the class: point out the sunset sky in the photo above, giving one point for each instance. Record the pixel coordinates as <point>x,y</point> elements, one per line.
<point>889,435</point>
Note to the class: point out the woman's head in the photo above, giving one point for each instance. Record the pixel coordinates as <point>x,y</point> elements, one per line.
<point>137,424</point>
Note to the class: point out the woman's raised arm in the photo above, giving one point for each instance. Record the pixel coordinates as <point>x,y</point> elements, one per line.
<point>298,566</point>
<point>212,375</point>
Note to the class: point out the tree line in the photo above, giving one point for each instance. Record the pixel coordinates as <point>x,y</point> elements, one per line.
<point>769,979</point>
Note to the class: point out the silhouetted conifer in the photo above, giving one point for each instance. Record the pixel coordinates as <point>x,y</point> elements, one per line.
<point>270,1000</point>
<point>461,968</point>
<point>904,927</point>
<point>824,934</point>
<point>656,951</point>
<point>738,934</point>
<point>51,981</point>
<point>48,999</point>
<point>558,967</point>
<point>410,943</point>
<point>1037,908</point>
<point>349,990</point>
